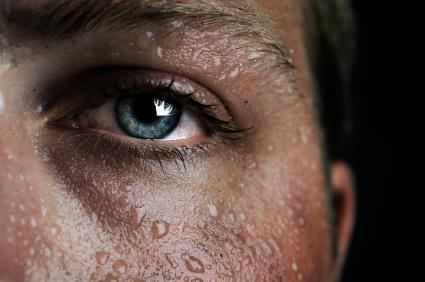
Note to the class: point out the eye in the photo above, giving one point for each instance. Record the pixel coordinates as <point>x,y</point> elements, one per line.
<point>148,106</point>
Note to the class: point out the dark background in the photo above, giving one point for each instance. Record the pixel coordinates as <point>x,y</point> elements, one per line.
<point>377,109</point>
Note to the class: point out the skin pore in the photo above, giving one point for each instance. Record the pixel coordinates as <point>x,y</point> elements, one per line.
<point>80,200</point>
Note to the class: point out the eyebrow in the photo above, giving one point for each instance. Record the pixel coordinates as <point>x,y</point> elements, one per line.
<point>58,20</point>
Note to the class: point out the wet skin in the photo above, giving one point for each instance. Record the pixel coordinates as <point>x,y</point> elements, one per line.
<point>89,202</point>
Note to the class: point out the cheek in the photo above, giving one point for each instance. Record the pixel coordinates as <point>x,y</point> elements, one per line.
<point>252,220</point>
<point>281,214</point>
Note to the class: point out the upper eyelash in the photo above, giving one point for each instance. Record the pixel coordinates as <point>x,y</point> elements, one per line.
<point>225,129</point>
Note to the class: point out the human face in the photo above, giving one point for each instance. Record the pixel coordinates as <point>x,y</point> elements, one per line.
<point>235,191</point>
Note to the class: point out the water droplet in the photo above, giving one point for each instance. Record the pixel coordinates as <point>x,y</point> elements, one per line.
<point>212,210</point>
<point>33,222</point>
<point>12,218</point>
<point>193,264</point>
<point>254,55</point>
<point>120,267</point>
<point>102,257</point>
<point>171,260</point>
<point>159,229</point>
<point>159,52</point>
<point>137,216</point>
<point>2,103</point>
<point>294,266</point>
<point>177,23</point>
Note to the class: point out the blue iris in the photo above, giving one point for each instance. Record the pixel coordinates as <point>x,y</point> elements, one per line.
<point>147,116</point>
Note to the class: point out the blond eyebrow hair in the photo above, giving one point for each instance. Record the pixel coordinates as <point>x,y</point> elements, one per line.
<point>62,19</point>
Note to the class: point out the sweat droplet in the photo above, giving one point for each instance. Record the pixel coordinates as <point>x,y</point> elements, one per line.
<point>176,23</point>
<point>137,216</point>
<point>294,266</point>
<point>120,267</point>
<point>213,210</point>
<point>159,52</point>
<point>159,229</point>
<point>193,264</point>
<point>254,55</point>
<point>102,257</point>
<point>1,103</point>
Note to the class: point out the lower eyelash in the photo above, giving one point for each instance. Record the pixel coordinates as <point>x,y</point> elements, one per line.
<point>141,154</point>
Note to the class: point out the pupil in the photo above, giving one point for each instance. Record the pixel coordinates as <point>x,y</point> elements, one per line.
<point>144,109</point>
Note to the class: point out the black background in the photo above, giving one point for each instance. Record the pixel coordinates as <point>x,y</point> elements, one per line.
<point>377,109</point>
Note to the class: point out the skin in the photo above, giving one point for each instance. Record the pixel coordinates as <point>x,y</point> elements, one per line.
<point>254,209</point>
